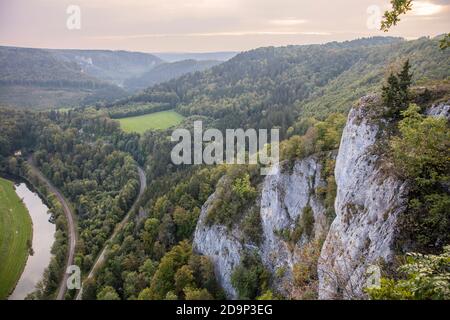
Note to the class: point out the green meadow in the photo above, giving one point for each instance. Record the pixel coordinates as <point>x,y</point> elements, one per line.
<point>15,231</point>
<point>157,120</point>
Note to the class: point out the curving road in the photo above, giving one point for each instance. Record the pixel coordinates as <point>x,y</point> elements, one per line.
<point>101,257</point>
<point>70,223</point>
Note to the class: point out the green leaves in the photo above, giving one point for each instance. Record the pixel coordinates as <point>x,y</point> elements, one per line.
<point>395,93</point>
<point>425,277</point>
<point>320,136</point>
<point>250,278</point>
<point>421,150</point>
<point>444,43</point>
<point>421,156</point>
<point>391,18</point>
<point>243,187</point>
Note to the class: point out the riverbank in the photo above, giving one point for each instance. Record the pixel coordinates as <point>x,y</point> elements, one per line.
<point>16,233</point>
<point>43,239</point>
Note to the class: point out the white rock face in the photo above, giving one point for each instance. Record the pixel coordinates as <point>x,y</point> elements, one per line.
<point>284,195</point>
<point>367,204</point>
<point>440,110</point>
<point>224,248</point>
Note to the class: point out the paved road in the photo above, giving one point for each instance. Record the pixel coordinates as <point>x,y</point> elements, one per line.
<point>101,257</point>
<point>70,222</point>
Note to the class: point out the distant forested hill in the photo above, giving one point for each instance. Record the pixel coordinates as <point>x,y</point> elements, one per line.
<point>168,71</point>
<point>107,65</point>
<point>45,78</point>
<point>200,56</point>
<point>270,87</point>
<point>41,78</point>
<point>26,66</point>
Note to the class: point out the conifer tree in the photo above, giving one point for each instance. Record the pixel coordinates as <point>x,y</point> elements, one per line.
<point>395,93</point>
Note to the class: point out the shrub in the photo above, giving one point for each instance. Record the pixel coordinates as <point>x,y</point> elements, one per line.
<point>420,154</point>
<point>250,278</point>
<point>252,227</point>
<point>305,271</point>
<point>425,277</point>
<point>234,195</point>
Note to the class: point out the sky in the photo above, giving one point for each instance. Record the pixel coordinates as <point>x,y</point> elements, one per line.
<point>205,25</point>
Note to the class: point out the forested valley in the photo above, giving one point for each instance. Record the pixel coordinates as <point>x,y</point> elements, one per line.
<point>305,91</point>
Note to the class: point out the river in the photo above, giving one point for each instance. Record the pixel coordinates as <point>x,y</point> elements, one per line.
<point>43,238</point>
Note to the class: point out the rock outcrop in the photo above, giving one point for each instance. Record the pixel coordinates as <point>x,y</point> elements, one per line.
<point>284,196</point>
<point>368,202</point>
<point>222,246</point>
<point>370,198</point>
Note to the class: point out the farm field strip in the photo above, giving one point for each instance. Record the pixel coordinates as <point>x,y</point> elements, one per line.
<point>157,120</point>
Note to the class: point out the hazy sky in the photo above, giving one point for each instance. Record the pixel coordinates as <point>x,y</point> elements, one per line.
<point>206,25</point>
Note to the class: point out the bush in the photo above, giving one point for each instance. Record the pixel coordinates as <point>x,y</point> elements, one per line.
<point>420,154</point>
<point>235,194</point>
<point>252,227</point>
<point>305,271</point>
<point>425,277</point>
<point>321,136</point>
<point>250,278</point>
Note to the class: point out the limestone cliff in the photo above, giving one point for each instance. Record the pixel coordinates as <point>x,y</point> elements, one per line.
<point>370,198</point>
<point>285,194</point>
<point>368,202</point>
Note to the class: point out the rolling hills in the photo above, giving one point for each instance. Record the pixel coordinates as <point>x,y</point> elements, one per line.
<point>168,71</point>
<point>269,87</point>
<point>46,78</point>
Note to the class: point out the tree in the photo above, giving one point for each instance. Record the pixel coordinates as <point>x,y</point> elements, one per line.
<point>444,43</point>
<point>395,93</point>
<point>89,289</point>
<point>12,165</point>
<point>420,155</point>
<point>184,277</point>
<point>108,293</point>
<point>185,222</point>
<point>164,279</point>
<point>421,150</point>
<point>148,269</point>
<point>132,285</point>
<point>150,232</point>
<point>197,294</point>
<point>145,294</point>
<point>404,81</point>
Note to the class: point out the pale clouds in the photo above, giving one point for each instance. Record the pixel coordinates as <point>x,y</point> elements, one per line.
<point>423,8</point>
<point>205,25</point>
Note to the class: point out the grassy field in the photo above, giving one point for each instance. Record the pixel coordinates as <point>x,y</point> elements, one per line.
<point>15,230</point>
<point>157,120</point>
